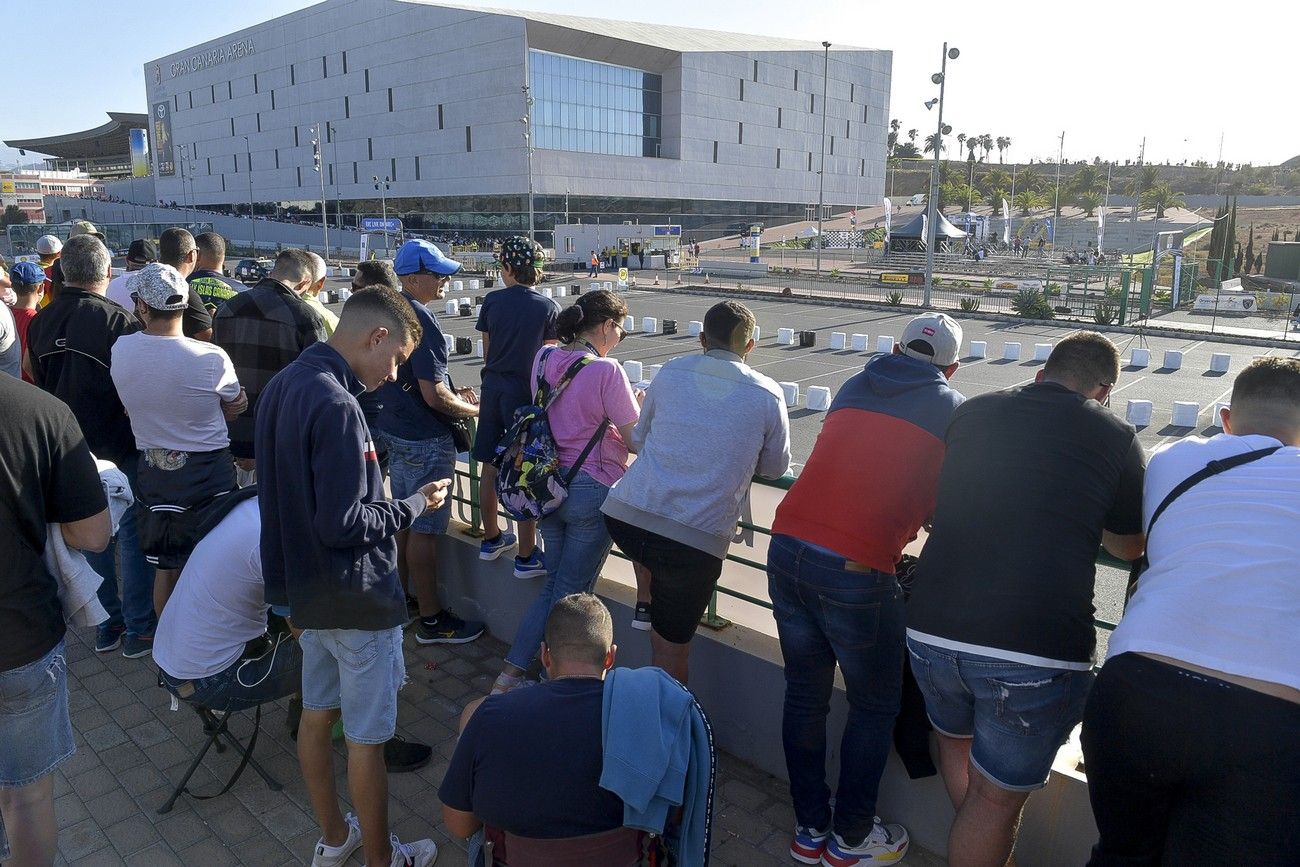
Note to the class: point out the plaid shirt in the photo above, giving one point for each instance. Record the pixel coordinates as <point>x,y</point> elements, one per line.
<point>262,330</point>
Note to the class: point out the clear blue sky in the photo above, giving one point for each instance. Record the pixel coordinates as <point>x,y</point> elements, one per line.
<point>1106,72</point>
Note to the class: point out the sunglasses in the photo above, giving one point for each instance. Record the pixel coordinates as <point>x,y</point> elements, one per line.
<point>622,332</point>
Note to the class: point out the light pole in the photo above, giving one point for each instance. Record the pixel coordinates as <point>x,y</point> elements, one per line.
<point>185,194</point>
<point>334,167</point>
<point>252,221</point>
<point>1056,204</point>
<point>821,169</point>
<point>316,160</point>
<point>527,121</point>
<point>939,78</point>
<point>382,187</point>
<point>566,207</point>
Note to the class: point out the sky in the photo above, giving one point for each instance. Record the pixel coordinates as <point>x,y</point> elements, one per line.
<point>1108,74</point>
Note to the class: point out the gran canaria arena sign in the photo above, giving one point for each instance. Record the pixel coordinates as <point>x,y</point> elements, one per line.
<point>212,57</point>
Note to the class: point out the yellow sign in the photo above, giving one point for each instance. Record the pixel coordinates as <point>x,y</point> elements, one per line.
<point>7,187</point>
<point>893,278</point>
<point>878,245</point>
<point>622,275</point>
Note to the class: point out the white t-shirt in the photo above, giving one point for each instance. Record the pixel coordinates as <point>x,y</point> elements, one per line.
<point>11,351</point>
<point>119,292</point>
<point>172,388</point>
<point>1223,588</point>
<point>219,603</point>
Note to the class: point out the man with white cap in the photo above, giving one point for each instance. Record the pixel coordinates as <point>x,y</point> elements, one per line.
<point>179,393</point>
<point>49,248</point>
<point>868,487</point>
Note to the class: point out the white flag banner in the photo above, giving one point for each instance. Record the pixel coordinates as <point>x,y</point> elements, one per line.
<point>1006,223</point>
<point>925,230</point>
<point>1101,227</point>
<point>889,218</point>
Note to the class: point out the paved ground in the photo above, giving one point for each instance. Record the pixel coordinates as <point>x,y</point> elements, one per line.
<point>131,749</point>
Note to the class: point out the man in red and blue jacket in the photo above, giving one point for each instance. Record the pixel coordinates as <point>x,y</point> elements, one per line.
<point>868,487</point>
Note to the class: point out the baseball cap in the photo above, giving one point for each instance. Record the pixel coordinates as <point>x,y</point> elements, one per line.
<point>419,255</point>
<point>142,252</point>
<point>48,245</point>
<point>160,287</point>
<point>27,273</point>
<point>932,337</point>
<point>85,227</point>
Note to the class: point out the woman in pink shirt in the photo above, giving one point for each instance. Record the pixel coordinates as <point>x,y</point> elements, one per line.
<point>577,542</point>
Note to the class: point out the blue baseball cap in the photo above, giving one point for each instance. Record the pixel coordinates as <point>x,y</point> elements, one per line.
<point>419,255</point>
<point>27,273</point>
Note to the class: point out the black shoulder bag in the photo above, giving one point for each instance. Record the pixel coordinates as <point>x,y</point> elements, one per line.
<point>459,426</point>
<point>1213,468</point>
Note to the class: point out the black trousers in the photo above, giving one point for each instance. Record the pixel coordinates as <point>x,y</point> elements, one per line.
<point>1186,769</point>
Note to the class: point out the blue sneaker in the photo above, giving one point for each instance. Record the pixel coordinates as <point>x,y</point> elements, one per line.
<point>108,638</point>
<point>808,844</point>
<point>532,566</point>
<point>490,549</point>
<point>136,646</point>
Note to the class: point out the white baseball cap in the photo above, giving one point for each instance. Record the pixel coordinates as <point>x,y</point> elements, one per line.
<point>48,245</point>
<point>933,337</point>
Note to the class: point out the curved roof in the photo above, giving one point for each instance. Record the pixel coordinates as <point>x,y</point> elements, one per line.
<point>111,139</point>
<point>943,229</point>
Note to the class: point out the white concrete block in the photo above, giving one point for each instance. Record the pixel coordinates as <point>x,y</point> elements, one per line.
<point>561,291</point>
<point>1173,359</point>
<point>548,292</point>
<point>453,307</point>
<point>649,325</point>
<point>858,343</point>
<point>979,349</point>
<point>475,285</point>
<point>629,323</point>
<point>633,370</point>
<point>478,347</point>
<point>1185,413</point>
<point>819,398</point>
<point>1220,362</point>
<point>885,343</point>
<point>451,344</point>
<point>478,308</point>
<point>785,336</point>
<point>1041,351</point>
<point>1138,413</point>
<point>695,328</point>
<point>651,371</point>
<point>791,390</point>
<point>593,287</point>
<point>837,342</point>
<point>1139,357</point>
<point>1011,351</point>
<point>1217,419</point>
<point>344,294</point>
<point>758,334</point>
<point>609,285</point>
<point>458,285</point>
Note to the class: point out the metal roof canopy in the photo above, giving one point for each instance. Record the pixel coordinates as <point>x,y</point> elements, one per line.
<point>111,139</point>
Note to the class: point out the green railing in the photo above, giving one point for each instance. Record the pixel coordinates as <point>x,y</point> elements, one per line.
<point>711,617</point>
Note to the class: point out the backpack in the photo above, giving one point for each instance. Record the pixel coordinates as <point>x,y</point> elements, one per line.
<point>529,483</point>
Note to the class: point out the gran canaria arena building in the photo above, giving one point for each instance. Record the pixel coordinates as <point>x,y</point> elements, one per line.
<point>709,130</point>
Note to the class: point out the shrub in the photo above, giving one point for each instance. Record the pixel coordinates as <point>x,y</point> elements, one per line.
<point>988,282</point>
<point>970,305</point>
<point>835,273</point>
<point>937,281</point>
<point>1053,289</point>
<point>1104,314</point>
<point>894,298</point>
<point>1031,304</point>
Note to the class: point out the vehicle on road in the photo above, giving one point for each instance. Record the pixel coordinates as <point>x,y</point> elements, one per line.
<point>250,271</point>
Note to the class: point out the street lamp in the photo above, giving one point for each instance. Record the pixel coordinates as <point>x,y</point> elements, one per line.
<point>566,207</point>
<point>382,186</point>
<point>334,174</point>
<point>252,221</point>
<point>940,78</point>
<point>185,202</point>
<point>821,169</point>
<point>527,121</point>
<point>316,165</point>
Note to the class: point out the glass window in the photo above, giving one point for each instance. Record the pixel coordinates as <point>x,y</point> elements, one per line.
<point>591,107</point>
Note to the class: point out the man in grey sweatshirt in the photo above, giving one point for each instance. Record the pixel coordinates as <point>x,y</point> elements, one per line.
<point>708,425</point>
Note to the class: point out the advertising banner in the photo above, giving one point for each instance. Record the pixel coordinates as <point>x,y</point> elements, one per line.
<point>161,121</point>
<point>889,217</point>
<point>1006,223</point>
<point>139,153</point>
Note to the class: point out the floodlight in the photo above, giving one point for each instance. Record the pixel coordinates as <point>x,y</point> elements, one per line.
<point>953,54</point>
<point>937,78</point>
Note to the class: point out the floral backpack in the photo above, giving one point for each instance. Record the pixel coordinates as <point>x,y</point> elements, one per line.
<point>529,483</point>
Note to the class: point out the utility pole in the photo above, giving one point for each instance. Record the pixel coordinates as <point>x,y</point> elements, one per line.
<point>1056,206</point>
<point>334,175</point>
<point>382,186</point>
<point>252,220</point>
<point>527,121</point>
<point>932,206</point>
<point>316,157</point>
<point>821,170</point>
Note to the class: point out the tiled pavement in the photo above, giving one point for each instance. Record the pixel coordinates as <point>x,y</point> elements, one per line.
<point>131,748</point>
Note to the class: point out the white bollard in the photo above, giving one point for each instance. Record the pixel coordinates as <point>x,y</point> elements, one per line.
<point>837,342</point>
<point>785,336</point>
<point>758,334</point>
<point>629,323</point>
<point>649,325</point>
<point>858,343</point>
<point>561,291</point>
<point>885,343</point>
<point>819,398</point>
<point>1041,351</point>
<point>548,292</point>
<point>1220,362</point>
<point>1173,359</point>
<point>633,370</point>
<point>478,348</point>
<point>1011,351</point>
<point>791,390</point>
<point>695,328</point>
<point>979,349</point>
<point>1185,413</point>
<point>593,287</point>
<point>651,371</point>
<point>453,307</point>
<point>1217,419</point>
<point>609,285</point>
<point>458,285</point>
<point>344,294</point>
<point>1139,358</point>
<point>475,285</point>
<point>478,309</point>
<point>451,344</point>
<point>1138,413</point>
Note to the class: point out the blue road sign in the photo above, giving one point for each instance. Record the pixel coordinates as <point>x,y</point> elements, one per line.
<point>377,224</point>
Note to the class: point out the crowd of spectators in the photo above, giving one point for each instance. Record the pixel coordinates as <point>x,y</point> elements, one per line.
<point>291,469</point>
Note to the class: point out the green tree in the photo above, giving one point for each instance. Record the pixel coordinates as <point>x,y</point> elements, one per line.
<point>972,143</point>
<point>14,216</point>
<point>912,134</point>
<point>1145,178</point>
<point>1089,200</point>
<point>894,126</point>
<point>906,150</point>
<point>933,143</point>
<point>1028,200</point>
<point>1031,179</point>
<point>1004,142</point>
<point>1161,197</point>
<point>995,196</point>
<point>1250,247</point>
<point>986,144</point>
<point>1086,179</point>
<point>961,141</point>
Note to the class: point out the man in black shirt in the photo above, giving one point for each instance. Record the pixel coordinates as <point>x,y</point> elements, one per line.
<point>69,350</point>
<point>213,287</point>
<point>176,247</point>
<point>528,762</point>
<point>1000,621</point>
<point>47,475</point>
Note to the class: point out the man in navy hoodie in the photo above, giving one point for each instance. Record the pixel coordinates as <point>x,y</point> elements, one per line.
<point>329,553</point>
<point>866,490</point>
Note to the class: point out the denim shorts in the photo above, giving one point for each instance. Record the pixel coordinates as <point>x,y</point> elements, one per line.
<point>1019,715</point>
<point>358,672</point>
<point>413,463</point>
<point>35,729</point>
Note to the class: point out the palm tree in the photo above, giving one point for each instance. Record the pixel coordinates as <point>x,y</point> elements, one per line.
<point>972,142</point>
<point>1031,179</point>
<point>906,150</point>
<point>1144,179</point>
<point>892,142</point>
<point>1161,196</point>
<point>1028,200</point>
<point>933,143</point>
<point>1086,179</point>
<point>1089,200</point>
<point>995,195</point>
<point>961,141</point>
<point>912,134</point>
<point>1003,143</point>
<point>986,144</point>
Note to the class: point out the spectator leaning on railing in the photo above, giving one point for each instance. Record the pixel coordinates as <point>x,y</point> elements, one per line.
<point>1190,733</point>
<point>1000,620</point>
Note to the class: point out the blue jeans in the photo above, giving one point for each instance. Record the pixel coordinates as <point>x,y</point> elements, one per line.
<point>577,544</point>
<point>358,672</point>
<point>830,611</point>
<point>245,683</point>
<point>414,463</point>
<point>134,608</point>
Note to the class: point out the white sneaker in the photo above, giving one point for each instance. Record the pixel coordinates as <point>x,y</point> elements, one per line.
<point>336,856</point>
<point>420,853</point>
